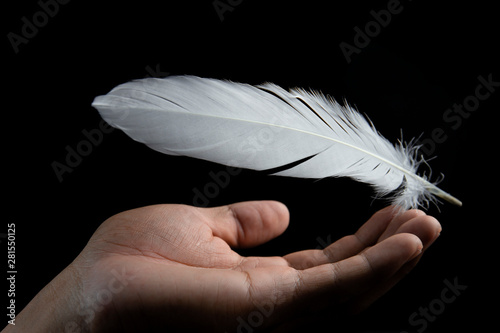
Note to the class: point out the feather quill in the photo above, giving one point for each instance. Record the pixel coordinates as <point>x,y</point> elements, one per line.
<point>303,134</point>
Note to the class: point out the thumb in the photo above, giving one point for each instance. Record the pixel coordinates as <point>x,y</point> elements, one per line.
<point>247,224</point>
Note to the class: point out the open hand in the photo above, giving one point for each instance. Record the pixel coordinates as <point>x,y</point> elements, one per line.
<point>172,267</point>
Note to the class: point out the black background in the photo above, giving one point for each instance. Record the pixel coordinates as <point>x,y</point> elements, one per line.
<point>426,59</point>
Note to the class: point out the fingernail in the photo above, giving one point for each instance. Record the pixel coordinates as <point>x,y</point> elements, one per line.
<point>438,234</point>
<point>417,253</point>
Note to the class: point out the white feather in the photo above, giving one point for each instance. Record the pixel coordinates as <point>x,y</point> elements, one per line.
<point>266,127</point>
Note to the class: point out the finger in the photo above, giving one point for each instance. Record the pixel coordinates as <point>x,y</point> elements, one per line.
<point>427,229</point>
<point>361,302</point>
<point>370,232</point>
<point>398,221</point>
<point>347,246</point>
<point>350,277</point>
<point>248,224</point>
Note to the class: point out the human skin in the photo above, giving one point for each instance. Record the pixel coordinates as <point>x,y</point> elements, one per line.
<point>173,268</point>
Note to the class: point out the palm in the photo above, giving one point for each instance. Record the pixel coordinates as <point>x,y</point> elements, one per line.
<point>179,259</point>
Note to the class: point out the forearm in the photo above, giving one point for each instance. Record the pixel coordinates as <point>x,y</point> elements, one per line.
<point>53,309</point>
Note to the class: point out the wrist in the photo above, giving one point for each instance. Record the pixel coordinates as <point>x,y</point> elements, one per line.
<point>54,308</point>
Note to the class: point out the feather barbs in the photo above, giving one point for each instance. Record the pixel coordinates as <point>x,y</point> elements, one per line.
<point>217,120</point>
